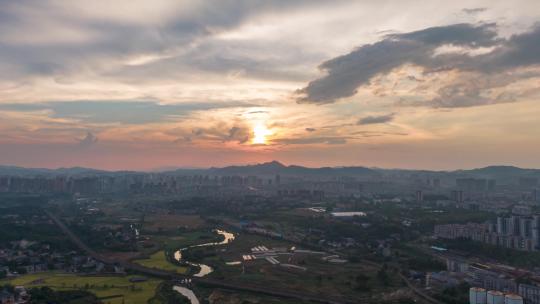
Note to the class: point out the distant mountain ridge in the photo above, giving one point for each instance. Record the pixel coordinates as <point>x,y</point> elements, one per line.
<point>495,170</point>
<point>501,173</point>
<point>22,171</point>
<point>275,167</point>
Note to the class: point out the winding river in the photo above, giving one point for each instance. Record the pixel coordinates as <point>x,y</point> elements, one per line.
<point>203,269</point>
<point>188,293</point>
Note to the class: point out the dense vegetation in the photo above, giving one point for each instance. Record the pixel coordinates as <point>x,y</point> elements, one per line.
<point>455,295</point>
<point>22,217</point>
<point>45,295</point>
<point>166,295</point>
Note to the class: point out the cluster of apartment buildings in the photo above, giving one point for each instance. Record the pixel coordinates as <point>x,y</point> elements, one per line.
<point>200,185</point>
<point>133,182</point>
<point>502,278</point>
<point>514,232</point>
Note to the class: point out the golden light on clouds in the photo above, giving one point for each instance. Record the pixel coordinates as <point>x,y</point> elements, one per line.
<point>315,83</point>
<point>260,132</point>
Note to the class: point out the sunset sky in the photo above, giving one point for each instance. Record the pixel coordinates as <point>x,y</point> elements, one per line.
<point>152,84</point>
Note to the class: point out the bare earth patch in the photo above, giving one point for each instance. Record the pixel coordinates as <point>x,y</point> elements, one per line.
<point>168,222</point>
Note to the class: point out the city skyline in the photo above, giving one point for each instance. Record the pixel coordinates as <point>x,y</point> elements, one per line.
<point>311,83</point>
<point>166,169</point>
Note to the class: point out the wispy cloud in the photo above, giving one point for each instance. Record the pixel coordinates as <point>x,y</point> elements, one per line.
<point>328,140</point>
<point>473,11</point>
<point>125,112</point>
<point>376,119</point>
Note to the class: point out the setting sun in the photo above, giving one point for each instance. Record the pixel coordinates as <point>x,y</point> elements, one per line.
<point>259,134</point>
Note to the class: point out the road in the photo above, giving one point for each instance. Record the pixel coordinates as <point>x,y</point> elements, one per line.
<point>318,298</point>
<point>418,291</point>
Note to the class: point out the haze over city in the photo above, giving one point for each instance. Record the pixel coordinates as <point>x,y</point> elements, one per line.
<point>269,152</point>
<point>141,85</point>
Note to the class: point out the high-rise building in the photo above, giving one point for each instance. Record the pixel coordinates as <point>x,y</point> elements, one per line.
<point>501,225</point>
<point>536,232</point>
<point>515,232</point>
<point>419,196</point>
<point>531,293</point>
<point>514,225</point>
<point>457,196</point>
<point>525,227</point>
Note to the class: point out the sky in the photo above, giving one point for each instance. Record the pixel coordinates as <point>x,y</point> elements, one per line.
<point>144,85</point>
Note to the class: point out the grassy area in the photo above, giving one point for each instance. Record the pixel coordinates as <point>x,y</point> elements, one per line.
<point>183,239</point>
<point>159,260</point>
<point>224,296</point>
<point>110,289</point>
<point>352,280</point>
<point>415,258</point>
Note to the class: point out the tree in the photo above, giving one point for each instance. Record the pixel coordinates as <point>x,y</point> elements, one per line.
<point>382,275</point>
<point>45,295</point>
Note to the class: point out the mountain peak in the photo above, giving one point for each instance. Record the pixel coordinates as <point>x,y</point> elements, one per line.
<point>272,164</point>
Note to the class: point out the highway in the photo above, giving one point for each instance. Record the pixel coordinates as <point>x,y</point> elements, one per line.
<point>418,291</point>
<point>318,298</point>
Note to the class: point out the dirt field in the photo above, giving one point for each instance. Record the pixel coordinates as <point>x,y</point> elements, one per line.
<point>171,222</point>
<point>123,256</point>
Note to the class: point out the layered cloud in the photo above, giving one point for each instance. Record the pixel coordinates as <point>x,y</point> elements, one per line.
<point>131,84</point>
<point>219,133</point>
<point>475,50</point>
<point>328,140</point>
<point>126,38</point>
<point>119,111</point>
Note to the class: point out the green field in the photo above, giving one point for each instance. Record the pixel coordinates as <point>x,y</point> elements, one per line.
<point>352,280</point>
<point>183,239</point>
<point>110,289</point>
<point>158,260</point>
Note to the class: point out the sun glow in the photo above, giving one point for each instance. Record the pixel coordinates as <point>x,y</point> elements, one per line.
<point>260,132</point>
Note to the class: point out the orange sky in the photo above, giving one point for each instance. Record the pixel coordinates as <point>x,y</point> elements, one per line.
<point>316,83</point>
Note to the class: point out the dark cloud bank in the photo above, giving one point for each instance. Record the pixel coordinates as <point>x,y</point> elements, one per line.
<point>370,120</point>
<point>345,74</point>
